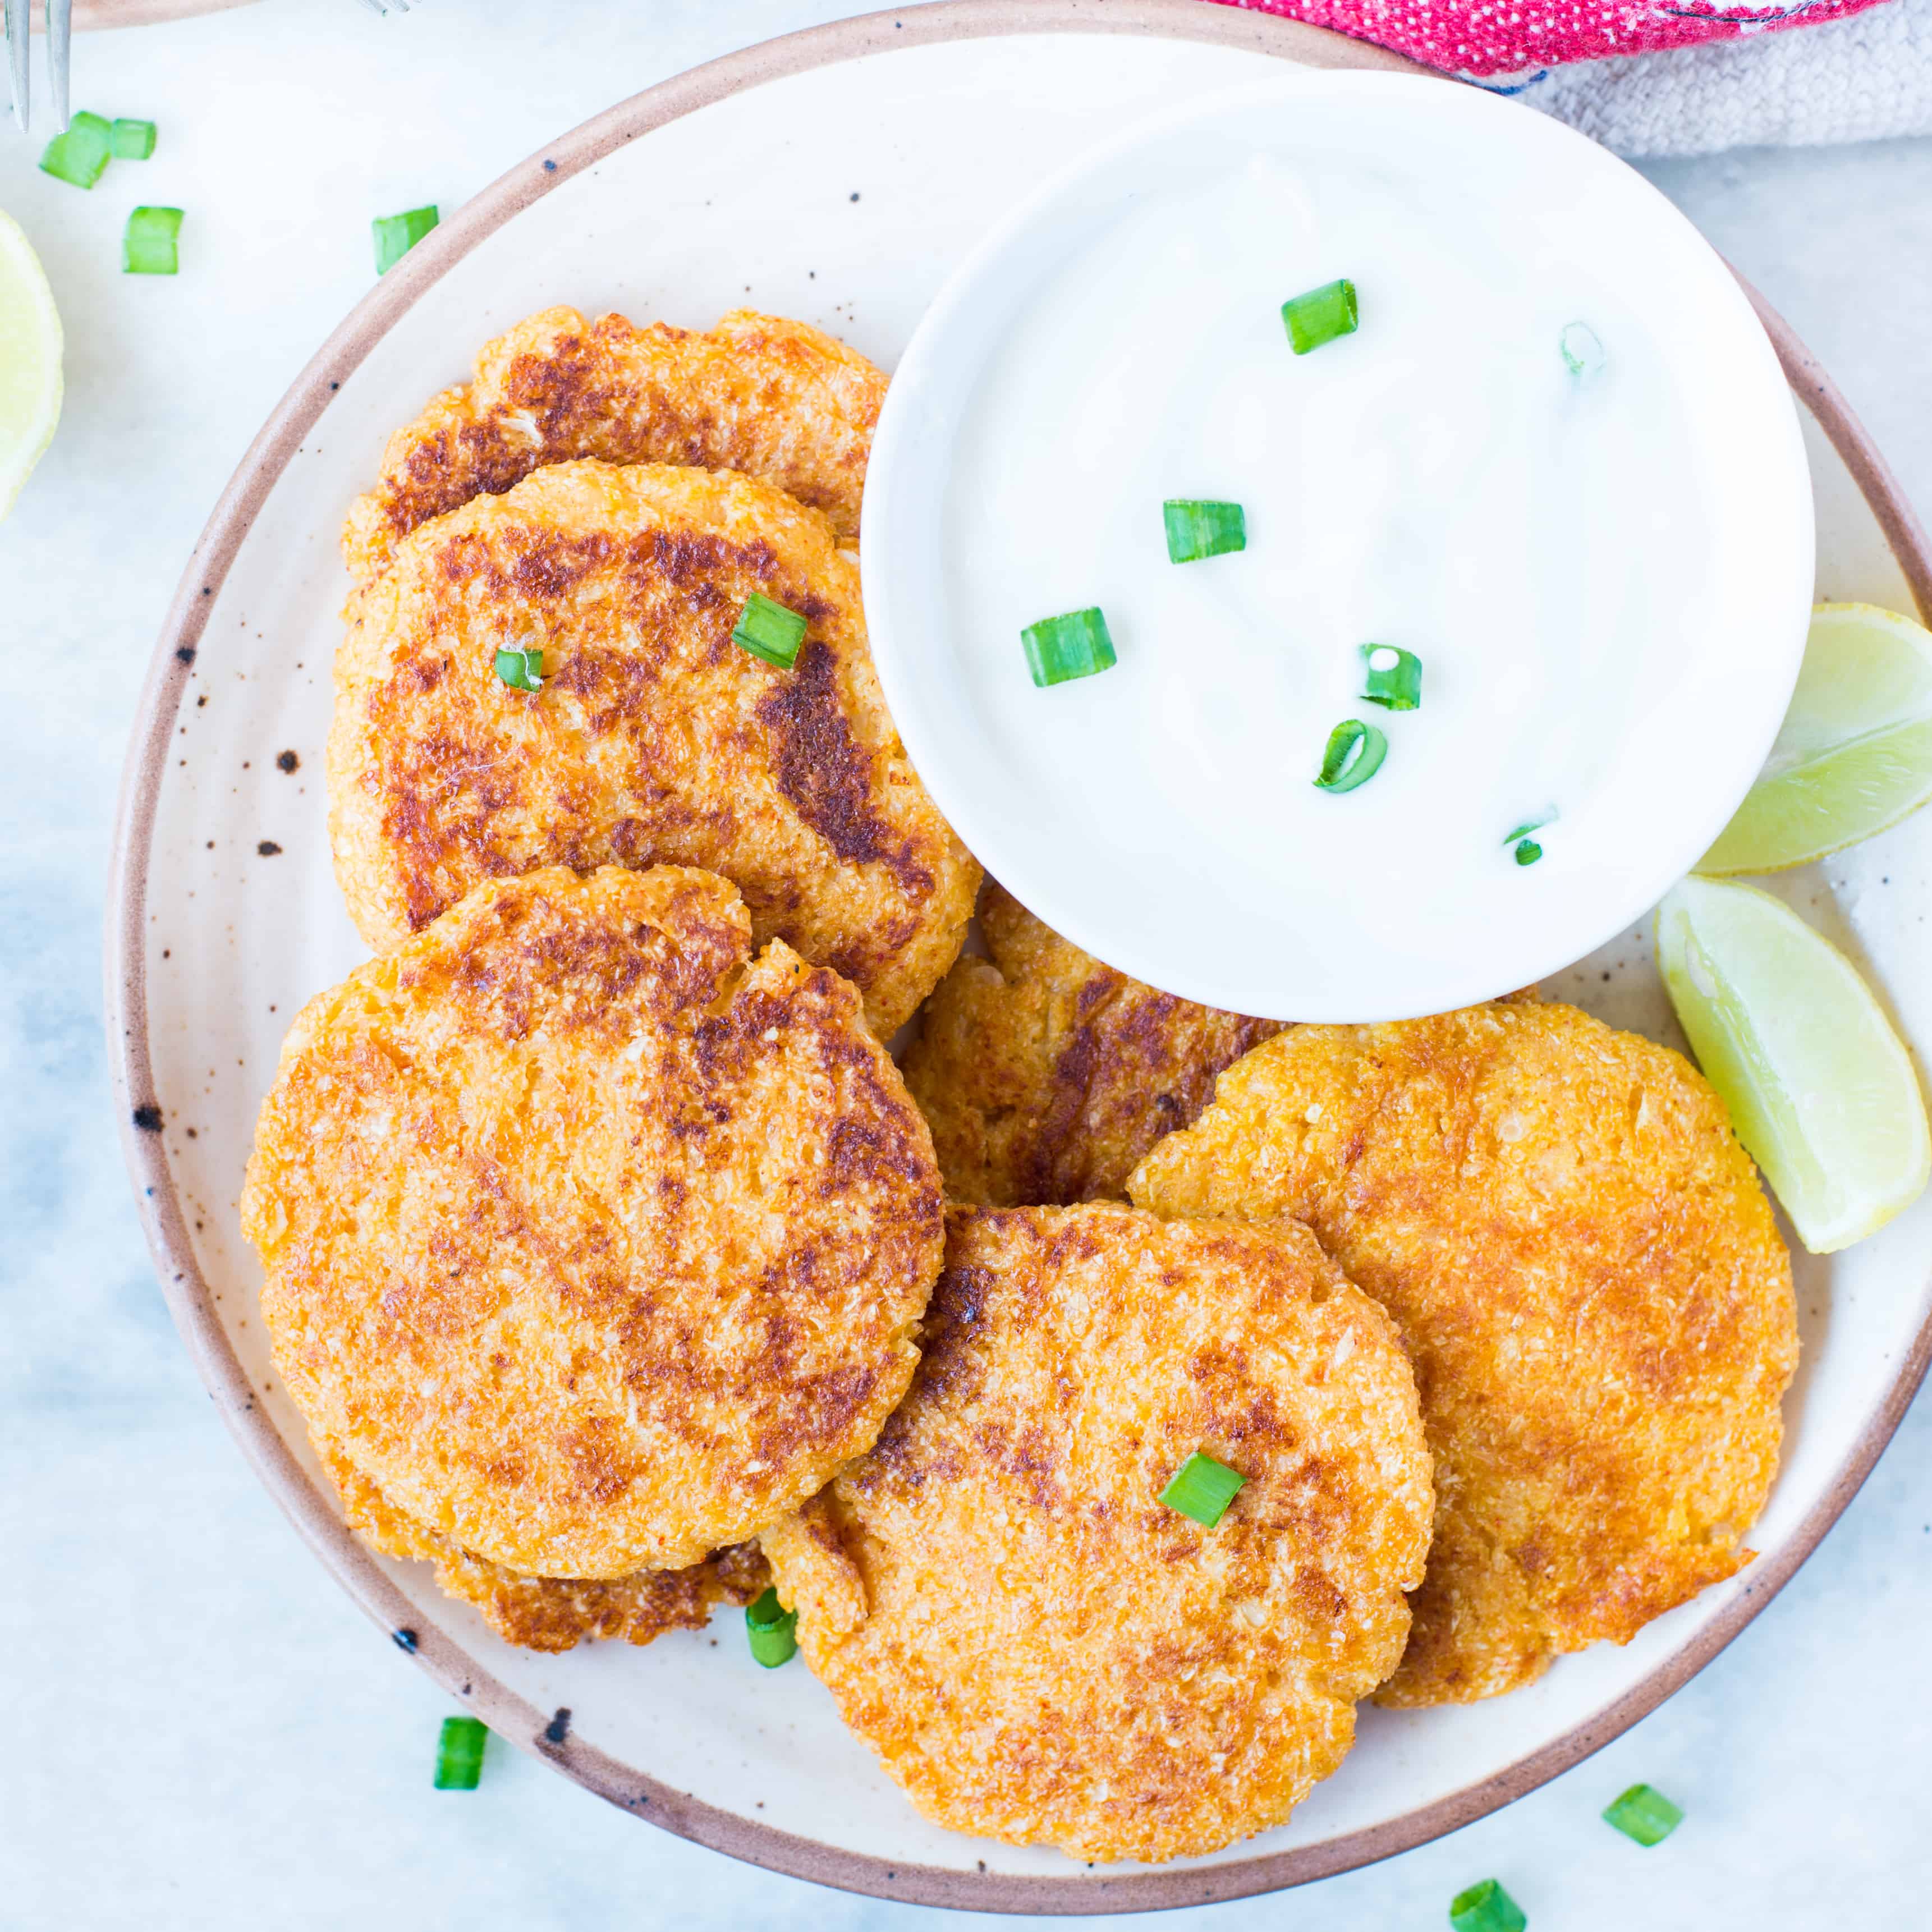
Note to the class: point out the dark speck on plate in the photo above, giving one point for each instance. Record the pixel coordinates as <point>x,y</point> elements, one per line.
<point>268,848</point>
<point>405,1640</point>
<point>148,1118</point>
<point>558,1729</point>
<point>286,761</point>
<point>855,194</point>
<point>186,652</point>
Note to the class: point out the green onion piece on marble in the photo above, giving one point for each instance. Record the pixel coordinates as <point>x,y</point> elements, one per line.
<point>1074,645</point>
<point>132,140</point>
<point>1202,1488</point>
<point>459,1754</point>
<point>1354,755</point>
<point>80,155</point>
<point>148,246</point>
<point>521,671</point>
<point>1528,852</point>
<point>396,234</point>
<point>1197,528</point>
<point>1583,354</point>
<point>1321,315</point>
<point>1394,677</point>
<point>769,630</point>
<point>770,1629</point>
<point>1486,1908</point>
<point>1644,1814</point>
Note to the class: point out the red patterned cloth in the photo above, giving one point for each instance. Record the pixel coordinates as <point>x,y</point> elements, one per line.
<point>1486,38</point>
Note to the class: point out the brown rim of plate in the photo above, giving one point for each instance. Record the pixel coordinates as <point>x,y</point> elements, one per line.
<point>313,1512</point>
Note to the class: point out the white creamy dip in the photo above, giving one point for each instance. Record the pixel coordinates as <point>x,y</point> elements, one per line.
<point>1564,554</point>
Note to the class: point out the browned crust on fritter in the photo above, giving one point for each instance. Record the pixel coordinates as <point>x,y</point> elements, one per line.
<point>1587,1274</point>
<point>1045,1076</point>
<point>1038,1649</point>
<point>550,1613</point>
<point>774,398</point>
<point>594,1242</point>
<point>655,739</point>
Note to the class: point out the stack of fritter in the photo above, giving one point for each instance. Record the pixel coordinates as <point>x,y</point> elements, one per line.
<point>604,1245</point>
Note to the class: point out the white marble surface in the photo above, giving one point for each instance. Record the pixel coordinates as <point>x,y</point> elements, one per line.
<point>203,1732</point>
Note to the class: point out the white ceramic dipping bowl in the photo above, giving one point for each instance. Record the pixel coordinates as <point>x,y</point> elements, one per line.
<point>1607,578</point>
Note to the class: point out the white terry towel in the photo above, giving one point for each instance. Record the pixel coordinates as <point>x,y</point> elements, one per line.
<point>1861,78</point>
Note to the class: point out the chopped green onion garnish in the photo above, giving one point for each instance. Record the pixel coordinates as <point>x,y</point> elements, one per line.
<point>81,154</point>
<point>1486,1908</point>
<point>396,234</point>
<point>132,140</point>
<point>769,630</point>
<point>770,1630</point>
<point>1197,529</point>
<point>1321,316</point>
<point>521,671</point>
<point>1528,851</point>
<point>1644,1814</point>
<point>1394,677</point>
<point>459,1753</point>
<point>148,246</point>
<point>1202,1488</point>
<point>1583,353</point>
<point>1076,645</point>
<point>1354,755</point>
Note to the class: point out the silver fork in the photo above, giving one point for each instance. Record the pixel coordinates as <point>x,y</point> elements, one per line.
<point>19,39</point>
<point>59,16</point>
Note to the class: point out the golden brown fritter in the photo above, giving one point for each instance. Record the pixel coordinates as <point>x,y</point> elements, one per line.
<point>549,1612</point>
<point>1037,1648</point>
<point>1587,1275</point>
<point>655,739</point>
<point>594,1242</point>
<point>774,398</point>
<point>1045,1076</point>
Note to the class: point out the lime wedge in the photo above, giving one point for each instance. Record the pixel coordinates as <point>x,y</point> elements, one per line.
<point>1821,1090</point>
<point>1854,754</point>
<point>30,360</point>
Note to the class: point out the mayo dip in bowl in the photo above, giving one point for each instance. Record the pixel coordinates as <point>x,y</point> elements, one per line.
<point>1555,465</point>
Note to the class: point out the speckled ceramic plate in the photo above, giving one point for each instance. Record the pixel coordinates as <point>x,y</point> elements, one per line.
<point>836,175</point>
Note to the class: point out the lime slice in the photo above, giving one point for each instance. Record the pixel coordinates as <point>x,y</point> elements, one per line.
<point>1821,1090</point>
<point>30,360</point>
<point>1855,753</point>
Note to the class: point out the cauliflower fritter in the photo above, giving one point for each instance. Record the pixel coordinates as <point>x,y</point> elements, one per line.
<point>1037,1647</point>
<point>655,739</point>
<point>1045,1076</point>
<point>550,1613</point>
<point>592,1242</point>
<point>1587,1277</point>
<point>774,398</point>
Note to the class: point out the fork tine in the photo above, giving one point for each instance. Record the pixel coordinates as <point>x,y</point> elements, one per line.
<point>60,40</point>
<point>19,29</point>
